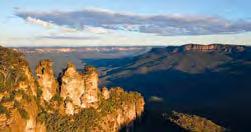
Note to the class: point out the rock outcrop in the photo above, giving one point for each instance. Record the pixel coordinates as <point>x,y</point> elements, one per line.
<point>46,80</point>
<point>81,89</point>
<point>194,123</point>
<point>90,96</point>
<point>73,102</point>
<point>105,93</point>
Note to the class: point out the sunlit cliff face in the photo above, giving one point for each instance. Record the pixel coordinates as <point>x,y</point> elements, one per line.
<point>41,104</point>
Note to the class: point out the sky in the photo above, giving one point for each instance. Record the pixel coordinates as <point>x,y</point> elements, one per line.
<point>124,22</point>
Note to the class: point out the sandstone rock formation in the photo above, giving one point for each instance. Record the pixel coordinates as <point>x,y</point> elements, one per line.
<point>90,96</point>
<point>74,103</point>
<point>80,88</point>
<point>105,93</point>
<point>46,80</point>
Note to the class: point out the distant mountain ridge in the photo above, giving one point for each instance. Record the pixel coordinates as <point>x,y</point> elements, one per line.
<point>213,47</point>
<point>192,58</point>
<point>101,49</point>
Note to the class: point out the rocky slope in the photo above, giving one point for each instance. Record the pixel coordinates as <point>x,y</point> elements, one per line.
<point>72,102</point>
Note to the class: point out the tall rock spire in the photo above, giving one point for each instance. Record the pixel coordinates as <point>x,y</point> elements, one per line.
<point>90,96</point>
<point>46,79</point>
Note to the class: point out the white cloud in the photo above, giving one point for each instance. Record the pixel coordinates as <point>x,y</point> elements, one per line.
<point>39,22</point>
<point>96,30</point>
<point>65,29</point>
<point>67,37</point>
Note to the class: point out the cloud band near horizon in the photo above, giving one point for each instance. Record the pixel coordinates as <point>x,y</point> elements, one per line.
<point>163,25</point>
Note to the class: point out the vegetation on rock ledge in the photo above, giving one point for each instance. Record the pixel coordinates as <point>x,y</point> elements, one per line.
<point>89,119</point>
<point>194,123</point>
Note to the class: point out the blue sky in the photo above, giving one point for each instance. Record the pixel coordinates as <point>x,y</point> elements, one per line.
<point>124,22</point>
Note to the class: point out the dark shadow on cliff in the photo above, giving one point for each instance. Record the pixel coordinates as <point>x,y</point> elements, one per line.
<point>151,121</point>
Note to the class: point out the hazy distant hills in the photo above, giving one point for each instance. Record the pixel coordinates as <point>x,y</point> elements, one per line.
<point>61,55</point>
<point>209,80</point>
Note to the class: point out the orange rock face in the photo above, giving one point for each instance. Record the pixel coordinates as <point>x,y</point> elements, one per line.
<point>46,79</point>
<point>80,88</point>
<point>105,93</point>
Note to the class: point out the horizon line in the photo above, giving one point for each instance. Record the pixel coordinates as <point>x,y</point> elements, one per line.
<point>96,46</point>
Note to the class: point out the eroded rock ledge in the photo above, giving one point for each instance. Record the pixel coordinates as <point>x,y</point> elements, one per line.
<point>71,102</point>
